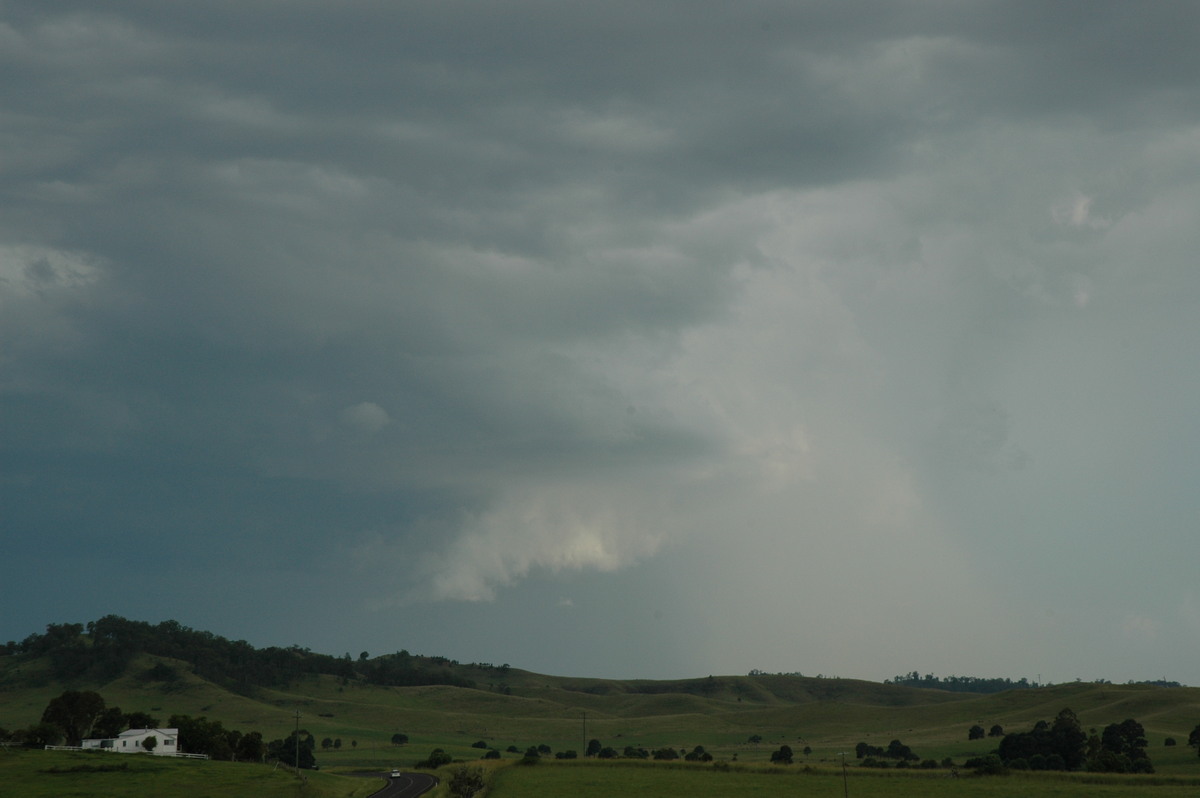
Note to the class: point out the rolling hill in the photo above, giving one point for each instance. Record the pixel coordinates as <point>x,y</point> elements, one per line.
<point>504,706</point>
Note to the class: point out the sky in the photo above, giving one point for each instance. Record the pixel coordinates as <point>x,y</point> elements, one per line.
<point>622,339</point>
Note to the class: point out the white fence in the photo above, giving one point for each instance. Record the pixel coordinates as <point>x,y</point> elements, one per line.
<point>113,750</point>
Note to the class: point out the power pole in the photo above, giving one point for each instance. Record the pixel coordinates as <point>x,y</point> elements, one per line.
<point>845,782</point>
<point>297,742</point>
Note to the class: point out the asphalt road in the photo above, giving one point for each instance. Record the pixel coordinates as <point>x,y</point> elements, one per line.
<point>406,785</point>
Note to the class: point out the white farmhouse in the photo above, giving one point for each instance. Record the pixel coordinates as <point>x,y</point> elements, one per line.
<point>133,741</point>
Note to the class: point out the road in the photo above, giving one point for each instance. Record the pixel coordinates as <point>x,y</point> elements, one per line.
<point>406,785</point>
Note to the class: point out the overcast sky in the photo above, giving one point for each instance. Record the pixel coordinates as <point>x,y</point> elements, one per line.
<point>615,339</point>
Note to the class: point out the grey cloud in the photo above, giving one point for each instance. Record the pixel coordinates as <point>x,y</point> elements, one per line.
<point>518,291</point>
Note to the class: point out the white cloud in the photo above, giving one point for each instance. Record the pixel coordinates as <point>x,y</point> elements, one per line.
<point>366,417</point>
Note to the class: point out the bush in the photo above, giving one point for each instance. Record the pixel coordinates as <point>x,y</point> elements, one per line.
<point>479,744</point>
<point>465,782</point>
<point>990,765</point>
<point>492,754</point>
<point>437,758</point>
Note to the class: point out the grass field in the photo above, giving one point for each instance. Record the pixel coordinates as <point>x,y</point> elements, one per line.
<point>592,780</point>
<point>68,774</point>
<point>721,714</point>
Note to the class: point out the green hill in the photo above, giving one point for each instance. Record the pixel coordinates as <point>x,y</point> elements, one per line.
<point>505,706</point>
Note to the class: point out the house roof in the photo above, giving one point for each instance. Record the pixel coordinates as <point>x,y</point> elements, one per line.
<point>143,732</point>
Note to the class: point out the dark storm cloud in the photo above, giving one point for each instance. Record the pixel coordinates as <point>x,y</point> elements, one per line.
<point>502,289</point>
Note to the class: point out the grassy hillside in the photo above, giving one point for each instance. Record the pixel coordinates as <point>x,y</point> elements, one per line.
<point>360,704</point>
<point>721,713</point>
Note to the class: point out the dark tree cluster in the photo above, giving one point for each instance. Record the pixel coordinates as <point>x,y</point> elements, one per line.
<point>295,751</point>
<point>1063,745</point>
<point>960,684</point>
<point>104,648</point>
<point>895,750</point>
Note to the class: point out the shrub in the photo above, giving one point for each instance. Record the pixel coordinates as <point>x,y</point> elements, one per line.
<point>437,758</point>
<point>465,782</point>
<point>990,765</point>
<point>479,744</point>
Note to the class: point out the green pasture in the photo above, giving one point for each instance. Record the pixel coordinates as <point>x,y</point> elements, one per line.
<point>721,714</point>
<point>77,774</point>
<point>595,780</point>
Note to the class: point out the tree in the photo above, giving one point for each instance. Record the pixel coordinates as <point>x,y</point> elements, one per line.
<point>593,748</point>
<point>204,736</point>
<point>479,744</point>
<point>251,748</point>
<point>898,750</point>
<point>1123,749</point>
<point>326,743</point>
<point>41,734</point>
<point>531,756</point>
<point>608,752</point>
<point>150,743</point>
<point>492,754</point>
<point>1194,738</point>
<point>808,750</point>
<point>141,720</point>
<point>337,743</point>
<point>437,758</point>
<point>783,756</point>
<point>74,712</point>
<point>399,739</point>
<point>975,732</point>
<point>996,731</point>
<point>109,723</point>
<point>286,750</point>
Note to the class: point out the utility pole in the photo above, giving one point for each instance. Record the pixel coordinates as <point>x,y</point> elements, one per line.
<point>297,743</point>
<point>845,781</point>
